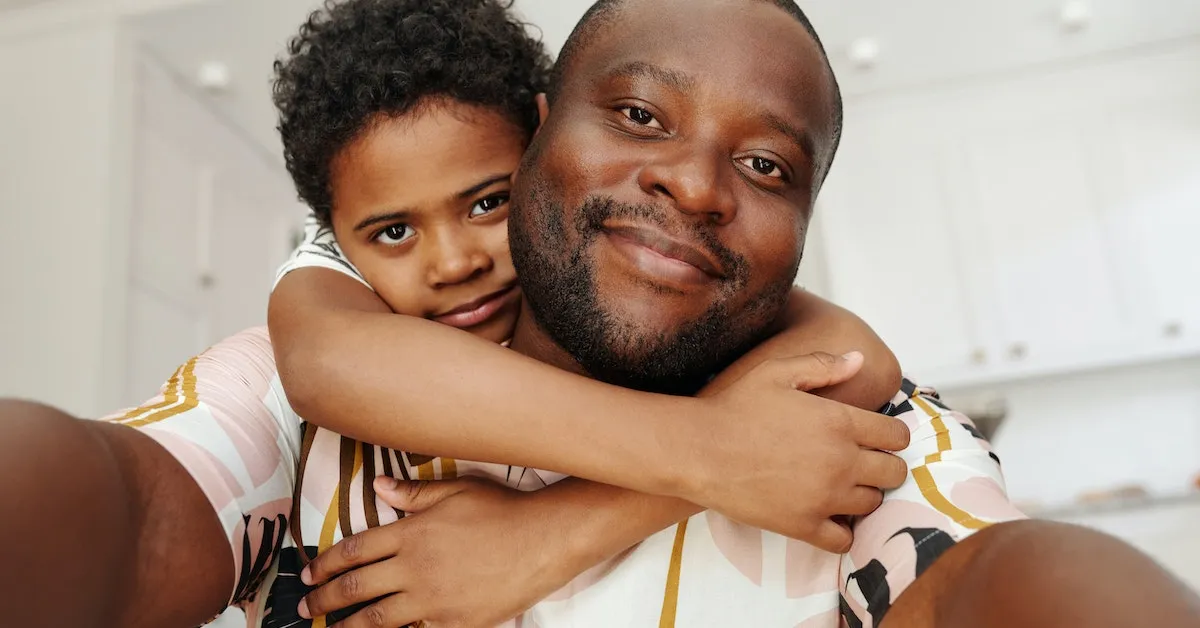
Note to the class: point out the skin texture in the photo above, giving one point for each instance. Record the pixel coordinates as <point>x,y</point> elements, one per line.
<point>148,552</point>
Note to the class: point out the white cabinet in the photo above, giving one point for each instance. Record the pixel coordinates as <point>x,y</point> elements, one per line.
<point>1155,212</point>
<point>1039,252</point>
<point>892,246</point>
<point>1038,224</point>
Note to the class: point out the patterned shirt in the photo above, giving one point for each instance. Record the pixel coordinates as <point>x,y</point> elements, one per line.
<point>279,485</point>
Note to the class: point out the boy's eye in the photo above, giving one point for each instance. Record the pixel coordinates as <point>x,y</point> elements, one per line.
<point>488,205</point>
<point>641,117</point>
<point>764,166</point>
<point>394,235</point>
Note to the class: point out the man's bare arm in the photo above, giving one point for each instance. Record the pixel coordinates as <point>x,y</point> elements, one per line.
<point>1037,574</point>
<point>106,529</point>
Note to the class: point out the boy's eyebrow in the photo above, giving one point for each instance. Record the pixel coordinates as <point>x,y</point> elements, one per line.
<point>396,216</point>
<point>483,185</point>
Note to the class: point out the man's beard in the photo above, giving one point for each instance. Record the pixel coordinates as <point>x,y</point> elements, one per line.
<point>559,283</point>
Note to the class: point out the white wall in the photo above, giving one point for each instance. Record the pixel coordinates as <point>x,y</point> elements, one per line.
<point>58,126</point>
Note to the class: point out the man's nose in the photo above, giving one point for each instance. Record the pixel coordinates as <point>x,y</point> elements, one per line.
<point>695,179</point>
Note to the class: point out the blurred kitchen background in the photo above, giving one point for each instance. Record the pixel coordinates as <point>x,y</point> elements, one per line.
<point>1015,208</point>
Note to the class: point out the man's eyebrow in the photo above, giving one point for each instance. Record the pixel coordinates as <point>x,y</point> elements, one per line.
<point>641,70</point>
<point>801,137</point>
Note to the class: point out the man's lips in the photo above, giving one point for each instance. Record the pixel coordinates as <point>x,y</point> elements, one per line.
<point>672,251</point>
<point>479,310</point>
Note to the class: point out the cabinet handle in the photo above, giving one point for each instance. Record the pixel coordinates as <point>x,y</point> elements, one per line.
<point>979,356</point>
<point>207,281</point>
<point>1018,351</point>
<point>1173,329</point>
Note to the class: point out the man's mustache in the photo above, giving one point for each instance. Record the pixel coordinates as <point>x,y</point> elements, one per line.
<point>596,210</point>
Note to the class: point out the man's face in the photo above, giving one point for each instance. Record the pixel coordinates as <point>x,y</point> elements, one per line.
<point>660,214</point>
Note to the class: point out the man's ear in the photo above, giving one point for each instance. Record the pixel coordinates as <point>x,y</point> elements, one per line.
<point>543,106</point>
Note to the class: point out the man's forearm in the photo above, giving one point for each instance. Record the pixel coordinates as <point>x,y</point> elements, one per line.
<point>82,547</point>
<point>1037,574</point>
<point>67,532</point>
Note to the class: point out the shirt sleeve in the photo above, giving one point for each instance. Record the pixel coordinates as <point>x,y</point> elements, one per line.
<point>319,249</point>
<point>954,489</point>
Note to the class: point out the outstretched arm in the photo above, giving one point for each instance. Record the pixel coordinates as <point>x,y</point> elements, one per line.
<point>107,529</point>
<point>1044,575</point>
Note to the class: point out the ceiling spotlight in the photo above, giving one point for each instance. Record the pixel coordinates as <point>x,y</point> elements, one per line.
<point>864,53</point>
<point>1075,15</point>
<point>213,77</point>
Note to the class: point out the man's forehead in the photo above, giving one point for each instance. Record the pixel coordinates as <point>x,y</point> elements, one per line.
<point>748,47</point>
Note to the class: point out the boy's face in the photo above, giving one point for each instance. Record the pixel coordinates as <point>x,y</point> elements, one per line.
<point>421,209</point>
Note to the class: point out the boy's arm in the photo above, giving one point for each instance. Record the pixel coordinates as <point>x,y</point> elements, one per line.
<point>348,364</point>
<point>811,324</point>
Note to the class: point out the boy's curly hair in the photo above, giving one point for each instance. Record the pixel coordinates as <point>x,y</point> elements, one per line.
<point>355,60</point>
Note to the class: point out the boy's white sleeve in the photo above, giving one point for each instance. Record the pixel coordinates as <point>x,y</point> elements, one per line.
<point>319,249</point>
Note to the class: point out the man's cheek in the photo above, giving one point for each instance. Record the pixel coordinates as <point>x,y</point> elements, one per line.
<point>594,159</point>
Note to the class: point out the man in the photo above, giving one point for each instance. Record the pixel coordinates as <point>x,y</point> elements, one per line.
<point>686,134</point>
<point>702,131</point>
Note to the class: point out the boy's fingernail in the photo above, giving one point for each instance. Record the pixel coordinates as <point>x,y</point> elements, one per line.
<point>306,576</point>
<point>853,355</point>
<point>303,609</point>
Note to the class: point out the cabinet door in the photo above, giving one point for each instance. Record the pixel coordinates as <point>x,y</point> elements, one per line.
<point>1156,211</point>
<point>211,224</point>
<point>892,245</point>
<point>250,240</point>
<point>1042,252</point>
<point>167,321</point>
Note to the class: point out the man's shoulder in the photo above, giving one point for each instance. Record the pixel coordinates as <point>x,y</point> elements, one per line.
<point>910,397</point>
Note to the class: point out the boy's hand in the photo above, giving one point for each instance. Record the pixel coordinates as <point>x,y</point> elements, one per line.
<point>469,554</point>
<point>776,458</point>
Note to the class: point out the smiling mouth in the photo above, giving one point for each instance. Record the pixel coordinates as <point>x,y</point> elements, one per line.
<point>657,253</point>
<point>479,310</point>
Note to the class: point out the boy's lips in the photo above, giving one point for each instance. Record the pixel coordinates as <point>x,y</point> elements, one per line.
<point>479,310</point>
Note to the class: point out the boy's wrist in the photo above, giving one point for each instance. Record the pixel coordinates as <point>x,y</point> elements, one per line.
<point>680,438</point>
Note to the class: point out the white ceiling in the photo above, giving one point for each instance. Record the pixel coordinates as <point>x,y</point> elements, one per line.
<point>16,4</point>
<point>920,41</point>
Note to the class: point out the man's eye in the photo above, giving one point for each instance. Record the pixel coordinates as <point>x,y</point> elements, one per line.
<point>764,166</point>
<point>640,116</point>
<point>394,235</point>
<point>488,205</point>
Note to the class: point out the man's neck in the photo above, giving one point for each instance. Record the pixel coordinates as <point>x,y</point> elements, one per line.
<point>530,339</point>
